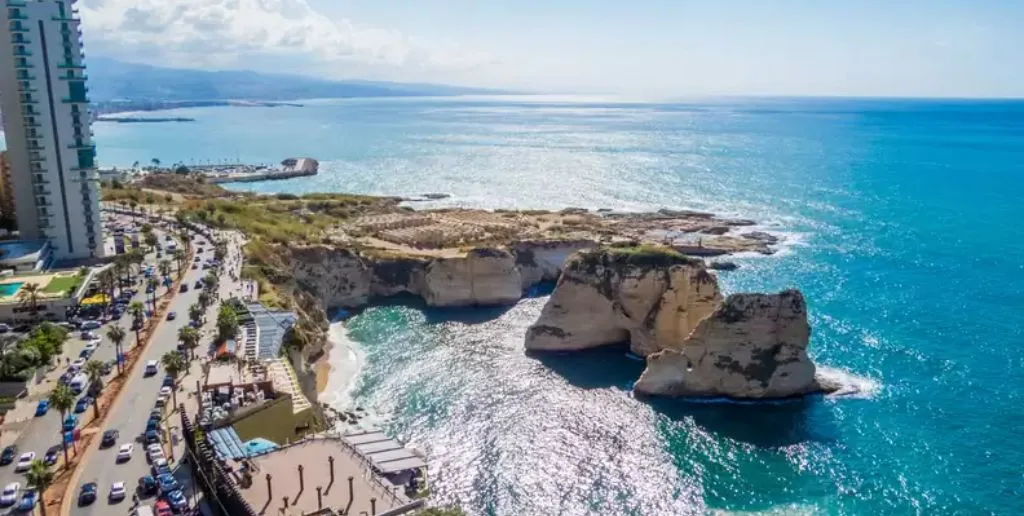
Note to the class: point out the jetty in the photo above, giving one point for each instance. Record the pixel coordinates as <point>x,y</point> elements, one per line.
<point>239,173</point>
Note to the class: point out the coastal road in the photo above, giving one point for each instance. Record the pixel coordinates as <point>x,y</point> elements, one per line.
<point>40,433</point>
<point>139,396</point>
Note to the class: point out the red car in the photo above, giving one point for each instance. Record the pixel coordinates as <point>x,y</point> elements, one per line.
<point>163,508</point>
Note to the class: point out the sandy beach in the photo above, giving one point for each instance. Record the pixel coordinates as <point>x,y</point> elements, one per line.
<point>338,368</point>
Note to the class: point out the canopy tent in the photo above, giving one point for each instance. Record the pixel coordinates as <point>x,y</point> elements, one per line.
<point>98,299</point>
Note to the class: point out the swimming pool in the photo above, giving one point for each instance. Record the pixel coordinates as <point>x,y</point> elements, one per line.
<point>10,289</point>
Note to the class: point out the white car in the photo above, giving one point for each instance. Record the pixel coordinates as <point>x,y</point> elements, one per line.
<point>154,452</point>
<point>92,345</point>
<point>78,363</point>
<point>117,491</point>
<point>165,392</point>
<point>25,461</point>
<point>124,453</point>
<point>10,494</point>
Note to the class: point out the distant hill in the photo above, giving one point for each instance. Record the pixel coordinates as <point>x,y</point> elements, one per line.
<point>111,80</point>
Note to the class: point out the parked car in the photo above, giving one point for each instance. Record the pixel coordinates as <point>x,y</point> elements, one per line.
<point>163,508</point>
<point>7,456</point>
<point>154,452</point>
<point>152,436</point>
<point>83,404</point>
<point>9,496</point>
<point>4,327</point>
<point>87,494</point>
<point>160,467</point>
<point>50,458</point>
<point>177,501</point>
<point>148,486</point>
<point>42,407</point>
<point>88,335</point>
<point>91,324</point>
<point>168,483</point>
<point>109,438</point>
<point>70,422</point>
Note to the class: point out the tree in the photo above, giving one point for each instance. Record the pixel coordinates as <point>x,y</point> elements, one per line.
<point>46,341</point>
<point>189,338</point>
<point>116,334</point>
<point>205,299</point>
<point>211,281</point>
<point>151,285</point>
<point>63,400</point>
<point>442,511</point>
<point>155,162</point>
<point>227,322</point>
<point>137,258</point>
<point>135,165</point>
<point>151,240</point>
<point>107,279</point>
<point>138,311</point>
<point>179,259</point>
<point>174,365</point>
<point>220,250</point>
<point>195,314</point>
<point>133,204</point>
<point>94,369</point>
<point>29,295</point>
<point>165,268</point>
<point>40,477</point>
<point>123,267</point>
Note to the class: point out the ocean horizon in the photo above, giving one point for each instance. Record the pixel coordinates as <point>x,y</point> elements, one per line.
<point>899,225</point>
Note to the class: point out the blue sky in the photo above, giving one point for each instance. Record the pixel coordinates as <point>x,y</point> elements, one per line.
<point>654,48</point>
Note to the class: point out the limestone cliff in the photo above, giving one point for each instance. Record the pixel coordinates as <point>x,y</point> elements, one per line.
<point>483,277</point>
<point>753,346</point>
<point>652,298</point>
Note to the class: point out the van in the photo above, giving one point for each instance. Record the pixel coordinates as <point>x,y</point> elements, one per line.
<point>78,383</point>
<point>143,510</point>
<point>151,367</point>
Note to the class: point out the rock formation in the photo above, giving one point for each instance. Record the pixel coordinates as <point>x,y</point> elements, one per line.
<point>651,298</point>
<point>483,277</point>
<point>753,346</point>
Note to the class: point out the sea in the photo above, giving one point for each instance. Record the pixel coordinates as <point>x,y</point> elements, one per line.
<point>903,225</point>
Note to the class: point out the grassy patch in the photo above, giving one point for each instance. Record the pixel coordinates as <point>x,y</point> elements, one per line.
<point>62,284</point>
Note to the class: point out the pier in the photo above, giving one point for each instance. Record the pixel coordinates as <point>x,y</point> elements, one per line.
<point>240,173</point>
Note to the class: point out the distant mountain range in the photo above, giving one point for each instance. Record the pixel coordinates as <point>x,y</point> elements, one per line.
<point>112,80</point>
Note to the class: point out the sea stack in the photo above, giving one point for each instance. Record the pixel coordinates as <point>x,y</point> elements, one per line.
<point>754,346</point>
<point>669,309</point>
<point>650,297</point>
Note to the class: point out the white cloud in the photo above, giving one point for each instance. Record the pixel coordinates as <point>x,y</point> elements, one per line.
<point>285,35</point>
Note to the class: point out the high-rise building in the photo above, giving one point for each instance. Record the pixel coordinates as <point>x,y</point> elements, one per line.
<point>47,127</point>
<point>6,189</point>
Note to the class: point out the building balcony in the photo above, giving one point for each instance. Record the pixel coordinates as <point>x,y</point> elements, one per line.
<point>25,76</point>
<point>75,100</point>
<point>22,52</point>
<point>44,192</point>
<point>39,179</point>
<point>71,66</point>
<point>17,16</point>
<point>70,76</point>
<point>82,145</point>
<point>17,27</point>
<point>65,18</point>
<point>16,3</point>
<point>19,39</point>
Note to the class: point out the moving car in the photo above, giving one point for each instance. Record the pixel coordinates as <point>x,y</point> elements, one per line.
<point>199,284</point>
<point>183,288</point>
<point>7,456</point>
<point>25,461</point>
<point>87,494</point>
<point>109,438</point>
<point>28,501</point>
<point>117,492</point>
<point>172,316</point>
<point>91,324</point>
<point>50,458</point>
<point>88,335</point>
<point>124,453</point>
<point>83,404</point>
<point>151,368</point>
<point>9,496</point>
<point>91,346</point>
<point>42,408</point>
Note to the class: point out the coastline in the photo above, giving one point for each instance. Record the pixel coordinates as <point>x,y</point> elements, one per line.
<point>338,368</point>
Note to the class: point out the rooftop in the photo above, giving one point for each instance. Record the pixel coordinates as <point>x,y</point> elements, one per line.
<point>313,455</point>
<point>21,251</point>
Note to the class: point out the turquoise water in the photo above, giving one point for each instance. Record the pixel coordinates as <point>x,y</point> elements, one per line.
<point>9,289</point>
<point>902,221</point>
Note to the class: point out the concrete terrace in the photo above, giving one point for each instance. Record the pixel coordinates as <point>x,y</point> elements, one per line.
<point>268,497</point>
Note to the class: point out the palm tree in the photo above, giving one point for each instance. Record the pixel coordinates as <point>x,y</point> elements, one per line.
<point>189,338</point>
<point>211,280</point>
<point>122,267</point>
<point>40,477</point>
<point>174,365</point>
<point>205,299</point>
<point>29,295</point>
<point>195,314</point>
<point>138,311</point>
<point>227,322</point>
<point>137,258</point>
<point>179,259</point>
<point>116,334</point>
<point>151,285</point>
<point>94,369</point>
<point>107,280</point>
<point>151,240</point>
<point>155,162</point>
<point>165,268</point>
<point>63,400</point>
<point>133,204</point>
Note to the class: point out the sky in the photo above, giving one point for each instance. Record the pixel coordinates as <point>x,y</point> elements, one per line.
<point>643,48</point>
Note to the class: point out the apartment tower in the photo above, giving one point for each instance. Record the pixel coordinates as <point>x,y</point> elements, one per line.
<point>46,114</point>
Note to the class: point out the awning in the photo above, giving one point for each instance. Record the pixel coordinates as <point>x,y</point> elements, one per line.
<point>98,299</point>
